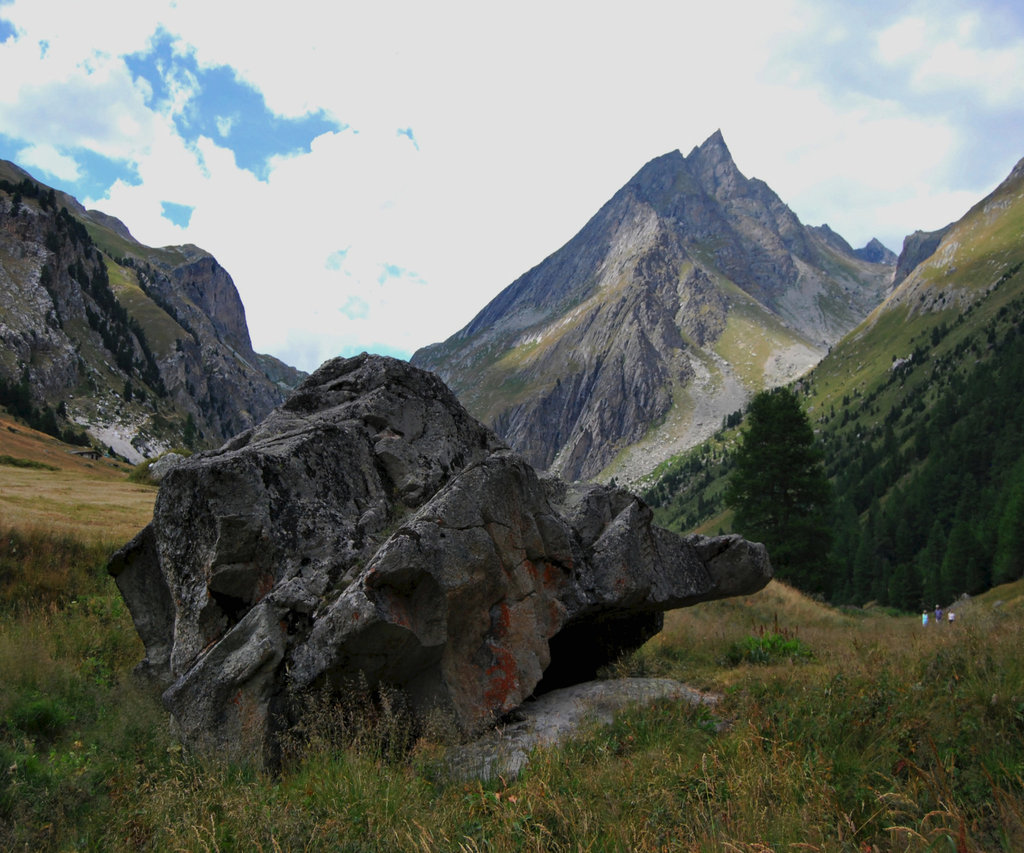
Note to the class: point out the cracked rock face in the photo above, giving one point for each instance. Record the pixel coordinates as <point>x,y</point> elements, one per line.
<point>370,529</point>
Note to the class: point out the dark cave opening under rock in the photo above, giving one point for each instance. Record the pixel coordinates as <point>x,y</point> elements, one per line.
<point>581,649</point>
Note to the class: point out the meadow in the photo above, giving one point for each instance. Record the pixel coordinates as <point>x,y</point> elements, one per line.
<point>854,729</point>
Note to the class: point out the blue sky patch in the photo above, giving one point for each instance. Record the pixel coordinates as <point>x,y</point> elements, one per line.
<point>336,259</point>
<point>179,214</point>
<point>389,271</point>
<point>355,308</point>
<point>407,132</point>
<point>96,172</point>
<point>222,108</point>
<point>7,30</point>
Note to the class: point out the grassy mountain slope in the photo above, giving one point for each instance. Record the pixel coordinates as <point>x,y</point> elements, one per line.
<point>918,411</point>
<point>46,485</point>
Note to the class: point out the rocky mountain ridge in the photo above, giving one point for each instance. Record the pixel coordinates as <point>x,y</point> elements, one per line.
<point>144,348</point>
<point>693,287</point>
<point>962,263</point>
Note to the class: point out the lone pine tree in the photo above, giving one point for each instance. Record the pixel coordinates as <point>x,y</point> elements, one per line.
<point>780,493</point>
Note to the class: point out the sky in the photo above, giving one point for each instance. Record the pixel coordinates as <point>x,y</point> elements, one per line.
<point>372,174</point>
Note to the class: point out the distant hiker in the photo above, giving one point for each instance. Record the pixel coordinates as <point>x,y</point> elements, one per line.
<point>952,617</point>
<point>924,619</point>
<point>938,615</point>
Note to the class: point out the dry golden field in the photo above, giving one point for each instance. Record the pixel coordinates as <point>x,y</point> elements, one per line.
<point>67,494</point>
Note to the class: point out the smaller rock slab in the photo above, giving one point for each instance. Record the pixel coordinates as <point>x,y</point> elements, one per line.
<point>553,718</point>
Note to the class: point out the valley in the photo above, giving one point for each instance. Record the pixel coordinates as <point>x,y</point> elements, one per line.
<point>47,485</point>
<point>838,724</point>
<point>833,728</point>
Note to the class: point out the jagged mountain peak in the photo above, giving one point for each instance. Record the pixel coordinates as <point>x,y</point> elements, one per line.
<point>876,252</point>
<point>708,169</point>
<point>833,238</point>
<point>712,150</point>
<point>691,281</point>
<point>713,164</point>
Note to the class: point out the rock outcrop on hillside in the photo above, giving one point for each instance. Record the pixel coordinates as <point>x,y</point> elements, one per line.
<point>146,348</point>
<point>692,284</point>
<point>370,530</point>
<point>917,247</point>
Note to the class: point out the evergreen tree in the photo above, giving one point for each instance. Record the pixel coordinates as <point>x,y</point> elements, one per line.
<point>929,566</point>
<point>780,493</point>
<point>959,566</point>
<point>846,539</point>
<point>863,563</point>
<point>1008,564</point>
<point>190,433</point>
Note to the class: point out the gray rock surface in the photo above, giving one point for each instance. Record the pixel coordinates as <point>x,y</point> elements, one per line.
<point>917,247</point>
<point>551,719</point>
<point>159,468</point>
<point>371,529</point>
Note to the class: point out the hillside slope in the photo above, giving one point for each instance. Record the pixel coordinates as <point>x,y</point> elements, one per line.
<point>144,348</point>
<point>919,413</point>
<point>691,288</point>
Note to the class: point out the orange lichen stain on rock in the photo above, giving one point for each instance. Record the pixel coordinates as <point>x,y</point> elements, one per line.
<point>503,677</point>
<point>502,621</point>
<point>550,577</point>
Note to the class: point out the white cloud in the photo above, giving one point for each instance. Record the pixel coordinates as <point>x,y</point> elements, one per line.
<point>525,119</point>
<point>224,125</point>
<point>94,105</point>
<point>49,160</point>
<point>956,53</point>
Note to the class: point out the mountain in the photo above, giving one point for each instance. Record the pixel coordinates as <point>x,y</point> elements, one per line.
<point>874,252</point>
<point>917,247</point>
<point>920,416</point>
<point>691,288</point>
<point>142,348</point>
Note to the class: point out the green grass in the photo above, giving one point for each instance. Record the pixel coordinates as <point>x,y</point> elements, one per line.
<point>855,730</point>
<point>162,330</point>
<point>18,462</point>
<point>751,337</point>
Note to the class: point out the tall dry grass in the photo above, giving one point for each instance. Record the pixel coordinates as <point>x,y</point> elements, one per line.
<point>885,736</point>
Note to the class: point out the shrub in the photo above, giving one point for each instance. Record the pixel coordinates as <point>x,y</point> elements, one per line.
<point>768,647</point>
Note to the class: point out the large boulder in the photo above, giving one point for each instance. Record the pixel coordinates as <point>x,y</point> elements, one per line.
<point>370,529</point>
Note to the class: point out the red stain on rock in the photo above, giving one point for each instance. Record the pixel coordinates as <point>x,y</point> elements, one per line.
<point>502,621</point>
<point>548,576</point>
<point>503,677</point>
<point>551,576</point>
<point>503,674</point>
